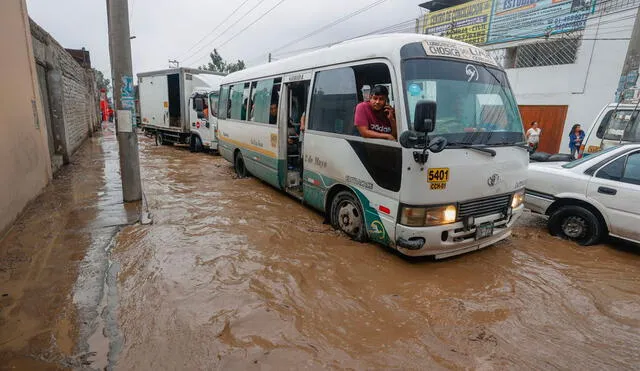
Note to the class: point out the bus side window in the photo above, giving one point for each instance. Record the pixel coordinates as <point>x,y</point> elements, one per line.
<point>236,95</point>
<point>333,101</point>
<point>336,93</point>
<point>224,101</point>
<point>266,93</point>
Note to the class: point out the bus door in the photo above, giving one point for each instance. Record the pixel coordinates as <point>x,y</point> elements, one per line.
<point>294,100</point>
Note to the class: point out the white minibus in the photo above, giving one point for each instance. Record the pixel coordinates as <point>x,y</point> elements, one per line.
<point>453,180</point>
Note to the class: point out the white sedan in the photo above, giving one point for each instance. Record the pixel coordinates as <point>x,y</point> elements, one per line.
<point>589,198</point>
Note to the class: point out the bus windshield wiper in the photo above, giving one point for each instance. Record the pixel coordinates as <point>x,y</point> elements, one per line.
<point>477,147</point>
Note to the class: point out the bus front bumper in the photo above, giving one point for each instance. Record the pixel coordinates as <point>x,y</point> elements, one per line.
<point>454,239</point>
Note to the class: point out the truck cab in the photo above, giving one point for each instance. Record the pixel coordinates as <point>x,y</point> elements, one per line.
<point>203,120</point>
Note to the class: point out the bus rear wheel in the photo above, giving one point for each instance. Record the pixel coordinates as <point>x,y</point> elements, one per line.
<point>347,216</point>
<point>238,163</point>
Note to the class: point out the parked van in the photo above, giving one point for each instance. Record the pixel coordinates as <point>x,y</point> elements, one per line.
<point>617,123</point>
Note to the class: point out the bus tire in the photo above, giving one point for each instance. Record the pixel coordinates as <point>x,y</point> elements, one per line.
<point>238,165</point>
<point>346,215</point>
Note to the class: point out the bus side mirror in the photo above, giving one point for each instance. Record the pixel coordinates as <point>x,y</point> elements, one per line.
<point>425,116</point>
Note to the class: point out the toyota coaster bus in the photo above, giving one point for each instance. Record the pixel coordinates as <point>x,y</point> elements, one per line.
<point>454,180</point>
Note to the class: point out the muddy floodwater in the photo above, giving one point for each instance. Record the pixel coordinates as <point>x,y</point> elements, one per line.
<point>236,275</point>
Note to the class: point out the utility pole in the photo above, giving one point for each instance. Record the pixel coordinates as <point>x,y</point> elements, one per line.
<point>175,63</point>
<point>269,57</point>
<point>124,98</point>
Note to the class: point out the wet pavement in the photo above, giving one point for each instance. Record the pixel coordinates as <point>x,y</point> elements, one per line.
<point>233,274</point>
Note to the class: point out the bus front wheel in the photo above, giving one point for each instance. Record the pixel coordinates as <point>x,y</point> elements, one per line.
<point>347,215</point>
<point>238,163</point>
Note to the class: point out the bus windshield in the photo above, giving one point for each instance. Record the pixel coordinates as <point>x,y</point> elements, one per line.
<point>620,124</point>
<point>474,102</point>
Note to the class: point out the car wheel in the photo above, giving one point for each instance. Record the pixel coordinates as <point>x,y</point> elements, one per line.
<point>576,223</point>
<point>241,170</point>
<point>346,215</point>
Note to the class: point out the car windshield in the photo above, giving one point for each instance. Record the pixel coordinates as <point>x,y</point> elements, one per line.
<point>577,162</point>
<point>620,124</point>
<point>474,102</point>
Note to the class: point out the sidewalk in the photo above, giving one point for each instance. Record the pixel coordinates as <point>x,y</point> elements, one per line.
<point>61,240</point>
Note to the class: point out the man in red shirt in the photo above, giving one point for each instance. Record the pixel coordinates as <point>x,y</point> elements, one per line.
<point>375,118</point>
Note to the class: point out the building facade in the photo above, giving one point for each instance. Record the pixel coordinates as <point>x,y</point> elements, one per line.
<point>565,59</point>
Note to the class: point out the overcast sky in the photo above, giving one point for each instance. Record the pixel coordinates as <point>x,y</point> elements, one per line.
<point>167,29</point>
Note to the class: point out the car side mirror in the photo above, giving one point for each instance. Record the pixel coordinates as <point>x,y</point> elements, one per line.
<point>425,116</point>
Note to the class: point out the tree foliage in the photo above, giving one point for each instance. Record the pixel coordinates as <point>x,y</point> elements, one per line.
<point>218,64</point>
<point>101,81</point>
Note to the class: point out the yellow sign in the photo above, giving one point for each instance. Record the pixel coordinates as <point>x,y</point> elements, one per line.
<point>468,22</point>
<point>438,175</point>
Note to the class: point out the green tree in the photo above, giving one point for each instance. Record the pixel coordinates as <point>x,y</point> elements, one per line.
<point>218,64</point>
<point>101,81</point>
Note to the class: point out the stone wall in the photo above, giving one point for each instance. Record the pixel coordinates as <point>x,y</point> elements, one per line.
<point>71,92</point>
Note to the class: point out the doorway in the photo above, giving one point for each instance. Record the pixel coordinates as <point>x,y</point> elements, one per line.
<point>551,120</point>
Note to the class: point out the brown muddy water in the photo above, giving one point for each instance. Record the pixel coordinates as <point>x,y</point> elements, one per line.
<point>236,275</point>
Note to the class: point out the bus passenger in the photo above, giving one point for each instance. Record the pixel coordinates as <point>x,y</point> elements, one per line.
<point>273,112</point>
<point>375,118</point>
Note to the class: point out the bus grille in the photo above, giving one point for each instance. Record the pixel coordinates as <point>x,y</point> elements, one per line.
<point>484,206</point>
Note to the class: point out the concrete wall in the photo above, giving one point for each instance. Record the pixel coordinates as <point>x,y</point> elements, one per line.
<point>587,85</point>
<point>72,93</point>
<point>25,166</point>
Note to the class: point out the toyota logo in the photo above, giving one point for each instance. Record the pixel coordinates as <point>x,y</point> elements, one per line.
<point>493,180</point>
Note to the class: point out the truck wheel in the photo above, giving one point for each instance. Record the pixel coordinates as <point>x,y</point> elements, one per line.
<point>241,170</point>
<point>160,141</point>
<point>346,215</point>
<point>576,224</point>
<point>197,143</point>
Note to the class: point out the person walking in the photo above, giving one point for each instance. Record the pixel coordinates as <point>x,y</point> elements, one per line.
<point>533,136</point>
<point>576,136</point>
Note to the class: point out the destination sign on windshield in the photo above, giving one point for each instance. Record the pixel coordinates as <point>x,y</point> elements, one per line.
<point>440,48</point>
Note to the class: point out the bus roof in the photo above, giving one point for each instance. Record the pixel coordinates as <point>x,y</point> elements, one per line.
<point>368,47</point>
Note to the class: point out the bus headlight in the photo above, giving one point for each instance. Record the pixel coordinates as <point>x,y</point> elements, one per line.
<point>517,199</point>
<point>428,216</point>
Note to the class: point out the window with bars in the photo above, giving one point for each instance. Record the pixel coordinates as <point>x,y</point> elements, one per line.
<point>551,52</point>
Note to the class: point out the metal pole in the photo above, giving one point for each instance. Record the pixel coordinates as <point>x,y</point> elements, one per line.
<point>269,57</point>
<point>124,98</point>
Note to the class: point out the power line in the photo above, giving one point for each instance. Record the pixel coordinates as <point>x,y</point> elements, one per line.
<point>331,24</point>
<point>225,30</point>
<point>252,23</point>
<point>215,28</point>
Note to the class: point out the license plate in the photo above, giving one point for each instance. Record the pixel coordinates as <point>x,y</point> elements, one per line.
<point>484,230</point>
<point>438,175</point>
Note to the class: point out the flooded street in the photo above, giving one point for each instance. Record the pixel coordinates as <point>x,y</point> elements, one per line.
<point>234,275</point>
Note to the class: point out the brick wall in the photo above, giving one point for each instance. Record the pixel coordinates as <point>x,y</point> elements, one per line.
<point>72,93</point>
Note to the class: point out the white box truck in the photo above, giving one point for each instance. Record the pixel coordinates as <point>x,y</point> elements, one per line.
<point>168,108</point>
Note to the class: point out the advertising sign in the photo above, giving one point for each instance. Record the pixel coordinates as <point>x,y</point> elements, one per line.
<point>521,19</point>
<point>468,22</point>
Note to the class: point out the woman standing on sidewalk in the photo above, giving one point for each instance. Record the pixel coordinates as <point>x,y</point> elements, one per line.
<point>576,136</point>
<point>533,136</point>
